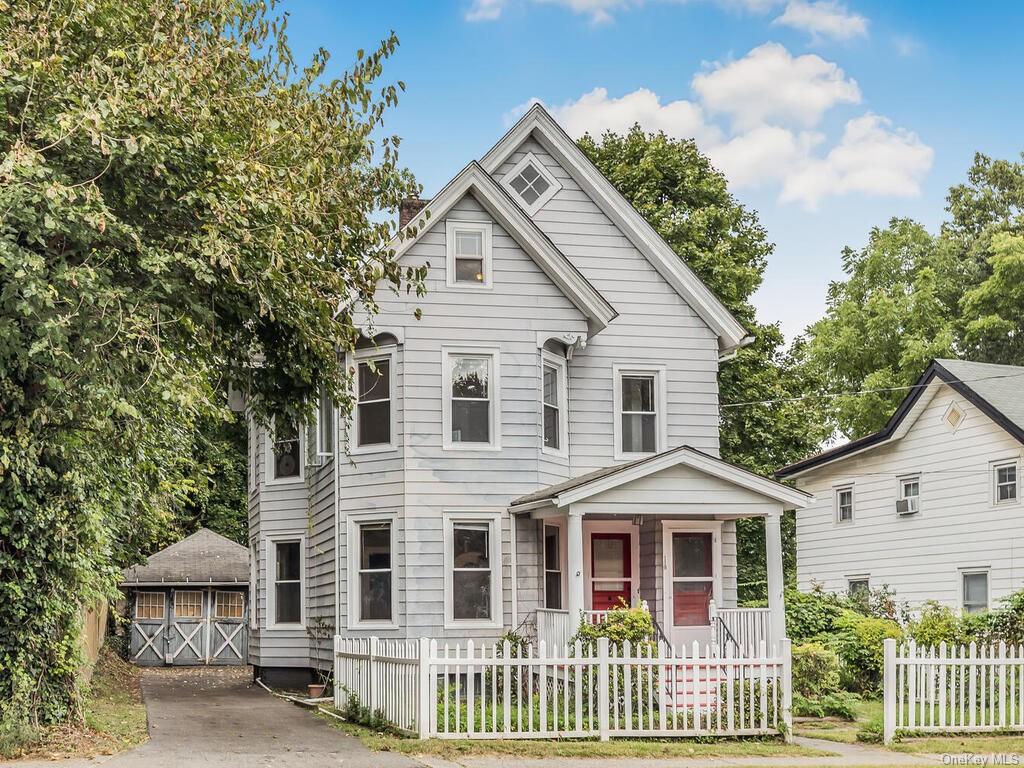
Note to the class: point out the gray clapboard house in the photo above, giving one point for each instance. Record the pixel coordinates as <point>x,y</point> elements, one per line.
<point>930,505</point>
<point>541,445</point>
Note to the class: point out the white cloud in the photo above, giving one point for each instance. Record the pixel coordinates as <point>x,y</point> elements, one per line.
<point>872,158</point>
<point>823,19</point>
<point>771,85</point>
<point>906,45</point>
<point>485,10</point>
<point>596,113</point>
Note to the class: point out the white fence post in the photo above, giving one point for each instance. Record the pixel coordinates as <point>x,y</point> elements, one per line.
<point>889,690</point>
<point>787,687</point>
<point>603,696</point>
<point>425,714</point>
<point>371,675</point>
<point>338,684</point>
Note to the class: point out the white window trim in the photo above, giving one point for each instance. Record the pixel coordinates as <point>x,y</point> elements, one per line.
<point>271,581</point>
<point>254,582</point>
<point>494,390</point>
<point>554,186</point>
<point>163,602</point>
<point>485,229</point>
<point>361,356</point>
<point>548,358</point>
<point>325,451</point>
<point>836,490</point>
<point>661,402</point>
<point>563,556</point>
<point>901,484</point>
<point>994,468</point>
<point>961,572</point>
<point>253,452</point>
<point>268,457</point>
<point>354,542</point>
<point>497,620</point>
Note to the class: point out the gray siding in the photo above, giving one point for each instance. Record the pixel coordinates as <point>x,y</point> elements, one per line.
<point>920,556</point>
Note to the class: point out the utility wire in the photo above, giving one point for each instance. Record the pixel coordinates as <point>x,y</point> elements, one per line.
<point>879,390</point>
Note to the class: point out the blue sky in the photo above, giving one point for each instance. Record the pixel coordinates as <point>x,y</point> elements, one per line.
<point>827,117</point>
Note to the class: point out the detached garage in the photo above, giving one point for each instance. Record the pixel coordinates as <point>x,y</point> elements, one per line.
<point>189,605</point>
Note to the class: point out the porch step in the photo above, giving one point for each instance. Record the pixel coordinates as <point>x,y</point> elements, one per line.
<point>693,688</point>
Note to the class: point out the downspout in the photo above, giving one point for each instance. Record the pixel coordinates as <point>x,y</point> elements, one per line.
<point>337,528</point>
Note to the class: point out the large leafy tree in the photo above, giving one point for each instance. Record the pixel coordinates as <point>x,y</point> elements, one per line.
<point>183,208</point>
<point>910,296</point>
<point>688,202</point>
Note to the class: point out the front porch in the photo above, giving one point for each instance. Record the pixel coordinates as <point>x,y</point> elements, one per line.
<point>658,533</point>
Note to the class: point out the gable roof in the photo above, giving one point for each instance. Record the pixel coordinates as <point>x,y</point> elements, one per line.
<point>993,389</point>
<point>537,121</point>
<point>583,487</point>
<point>204,557</point>
<point>473,179</point>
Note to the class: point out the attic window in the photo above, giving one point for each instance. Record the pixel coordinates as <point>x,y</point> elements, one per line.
<point>531,183</point>
<point>953,417</point>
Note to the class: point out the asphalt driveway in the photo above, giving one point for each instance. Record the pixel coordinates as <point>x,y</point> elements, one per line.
<point>215,717</point>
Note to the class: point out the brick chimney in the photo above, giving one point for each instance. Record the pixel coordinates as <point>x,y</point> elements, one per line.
<point>408,209</point>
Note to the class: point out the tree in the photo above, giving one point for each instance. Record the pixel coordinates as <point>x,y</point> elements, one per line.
<point>910,296</point>
<point>688,202</point>
<point>183,208</point>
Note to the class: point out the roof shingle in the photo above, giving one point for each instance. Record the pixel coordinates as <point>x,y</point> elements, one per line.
<point>204,557</point>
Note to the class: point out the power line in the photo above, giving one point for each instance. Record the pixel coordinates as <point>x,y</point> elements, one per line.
<point>879,390</point>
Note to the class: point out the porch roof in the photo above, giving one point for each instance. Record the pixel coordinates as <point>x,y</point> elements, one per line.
<point>583,487</point>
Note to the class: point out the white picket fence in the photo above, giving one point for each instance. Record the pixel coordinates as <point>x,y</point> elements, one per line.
<point>489,692</point>
<point>950,689</point>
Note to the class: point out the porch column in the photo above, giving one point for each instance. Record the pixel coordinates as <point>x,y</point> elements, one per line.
<point>574,541</point>
<point>773,549</point>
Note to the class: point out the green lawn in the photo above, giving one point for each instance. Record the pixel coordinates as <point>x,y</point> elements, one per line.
<point>527,748</point>
<point>113,718</point>
<point>834,729</point>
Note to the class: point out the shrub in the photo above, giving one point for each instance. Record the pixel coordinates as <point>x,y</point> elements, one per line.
<point>872,731</point>
<point>881,603</point>
<point>815,670</point>
<point>810,615</point>
<point>619,625</point>
<point>859,643</point>
<point>936,624</point>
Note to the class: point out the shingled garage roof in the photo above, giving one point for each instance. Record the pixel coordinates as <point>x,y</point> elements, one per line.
<point>204,557</point>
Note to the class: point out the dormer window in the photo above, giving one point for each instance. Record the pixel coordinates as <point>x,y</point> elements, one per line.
<point>469,254</point>
<point>531,184</point>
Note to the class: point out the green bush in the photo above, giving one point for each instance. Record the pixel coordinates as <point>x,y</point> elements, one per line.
<point>815,670</point>
<point>872,731</point>
<point>858,641</point>
<point>810,615</point>
<point>619,625</point>
<point>936,624</point>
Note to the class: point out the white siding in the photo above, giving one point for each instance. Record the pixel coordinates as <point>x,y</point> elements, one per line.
<point>919,555</point>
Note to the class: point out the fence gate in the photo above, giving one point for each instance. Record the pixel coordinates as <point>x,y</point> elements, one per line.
<point>189,627</point>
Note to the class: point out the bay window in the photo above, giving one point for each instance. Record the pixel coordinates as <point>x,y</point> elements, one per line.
<point>373,412</point>
<point>286,587</point>
<point>374,603</point>
<point>472,570</point>
<point>471,400</point>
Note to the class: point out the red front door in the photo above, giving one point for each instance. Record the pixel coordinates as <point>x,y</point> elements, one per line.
<point>610,570</point>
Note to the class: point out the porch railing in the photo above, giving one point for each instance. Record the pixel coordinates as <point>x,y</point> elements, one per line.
<point>740,631</point>
<point>554,626</point>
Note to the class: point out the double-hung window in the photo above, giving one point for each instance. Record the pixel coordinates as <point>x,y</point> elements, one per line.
<point>285,458</point>
<point>552,567</point>
<point>469,254</point>
<point>640,425</point>
<point>859,587</point>
<point>473,575</point>
<point>974,591</point>
<point>375,575</point>
<point>471,400</point>
<point>910,494</point>
<point>554,398</point>
<point>325,425</point>
<point>844,504</point>
<point>287,568</point>
<point>374,386</point>
<point>1004,478</point>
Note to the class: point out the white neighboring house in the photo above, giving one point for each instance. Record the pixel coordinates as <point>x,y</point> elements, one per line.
<point>930,505</point>
<point>542,443</point>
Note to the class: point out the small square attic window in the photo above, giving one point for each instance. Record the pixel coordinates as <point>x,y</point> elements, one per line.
<point>531,183</point>
<point>953,417</point>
